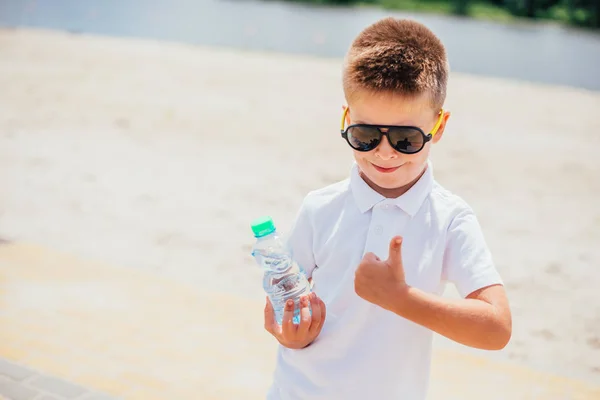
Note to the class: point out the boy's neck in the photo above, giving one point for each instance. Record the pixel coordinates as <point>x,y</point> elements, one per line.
<point>395,192</point>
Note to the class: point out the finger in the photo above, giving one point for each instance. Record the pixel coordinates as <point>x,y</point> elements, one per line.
<point>395,257</point>
<point>287,324</point>
<point>305,318</point>
<point>315,306</point>
<point>271,324</point>
<point>370,257</point>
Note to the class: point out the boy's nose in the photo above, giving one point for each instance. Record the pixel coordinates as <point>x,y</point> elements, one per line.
<point>384,151</point>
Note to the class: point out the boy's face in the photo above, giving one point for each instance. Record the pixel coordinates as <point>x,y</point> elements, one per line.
<point>386,170</point>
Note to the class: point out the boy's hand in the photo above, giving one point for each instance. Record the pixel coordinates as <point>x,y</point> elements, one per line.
<point>295,336</point>
<point>381,282</point>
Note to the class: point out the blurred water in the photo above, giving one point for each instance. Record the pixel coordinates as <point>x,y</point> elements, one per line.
<point>534,52</point>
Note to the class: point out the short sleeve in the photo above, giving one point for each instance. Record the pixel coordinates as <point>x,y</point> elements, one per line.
<point>468,262</point>
<point>300,239</point>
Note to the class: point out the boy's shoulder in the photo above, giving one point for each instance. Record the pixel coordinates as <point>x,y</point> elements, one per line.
<point>445,201</point>
<point>327,196</point>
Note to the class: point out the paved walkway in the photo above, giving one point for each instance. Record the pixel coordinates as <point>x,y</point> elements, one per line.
<point>133,335</point>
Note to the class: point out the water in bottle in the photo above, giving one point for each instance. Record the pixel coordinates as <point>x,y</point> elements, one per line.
<point>283,278</point>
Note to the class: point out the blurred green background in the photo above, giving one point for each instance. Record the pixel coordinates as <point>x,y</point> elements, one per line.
<point>584,13</point>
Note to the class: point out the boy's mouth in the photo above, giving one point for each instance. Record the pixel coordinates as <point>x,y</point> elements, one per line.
<point>385,170</point>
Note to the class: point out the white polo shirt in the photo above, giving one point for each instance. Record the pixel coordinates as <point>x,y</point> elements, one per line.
<point>363,351</point>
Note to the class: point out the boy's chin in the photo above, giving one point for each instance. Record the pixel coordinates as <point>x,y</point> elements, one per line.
<point>387,182</point>
<point>389,185</point>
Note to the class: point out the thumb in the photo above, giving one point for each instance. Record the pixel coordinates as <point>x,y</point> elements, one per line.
<point>395,257</point>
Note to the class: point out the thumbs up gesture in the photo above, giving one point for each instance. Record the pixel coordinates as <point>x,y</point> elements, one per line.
<point>381,281</point>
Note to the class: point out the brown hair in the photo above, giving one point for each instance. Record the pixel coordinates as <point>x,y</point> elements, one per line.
<point>397,56</point>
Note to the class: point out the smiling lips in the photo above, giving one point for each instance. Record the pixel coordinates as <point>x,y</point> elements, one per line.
<point>385,170</point>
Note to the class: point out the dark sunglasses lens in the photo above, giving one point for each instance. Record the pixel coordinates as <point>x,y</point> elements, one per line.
<point>406,140</point>
<point>363,138</point>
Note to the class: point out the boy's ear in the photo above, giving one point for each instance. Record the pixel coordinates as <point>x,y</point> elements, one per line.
<point>440,131</point>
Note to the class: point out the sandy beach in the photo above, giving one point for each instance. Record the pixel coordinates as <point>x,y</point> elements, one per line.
<point>157,155</point>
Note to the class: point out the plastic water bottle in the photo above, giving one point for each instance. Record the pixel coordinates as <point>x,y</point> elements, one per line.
<point>283,278</point>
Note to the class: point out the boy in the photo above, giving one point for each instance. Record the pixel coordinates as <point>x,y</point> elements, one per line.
<point>380,245</point>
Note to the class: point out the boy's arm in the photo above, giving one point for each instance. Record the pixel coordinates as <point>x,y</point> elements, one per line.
<point>300,239</point>
<point>481,319</point>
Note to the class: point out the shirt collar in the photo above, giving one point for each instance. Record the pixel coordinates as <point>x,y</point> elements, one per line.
<point>410,202</point>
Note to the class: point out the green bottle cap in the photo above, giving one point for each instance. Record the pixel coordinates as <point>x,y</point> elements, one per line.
<point>263,226</point>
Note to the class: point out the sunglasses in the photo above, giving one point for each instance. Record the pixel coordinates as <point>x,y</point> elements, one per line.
<point>404,139</point>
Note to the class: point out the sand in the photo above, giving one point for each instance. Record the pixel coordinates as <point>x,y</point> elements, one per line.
<point>156,156</point>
